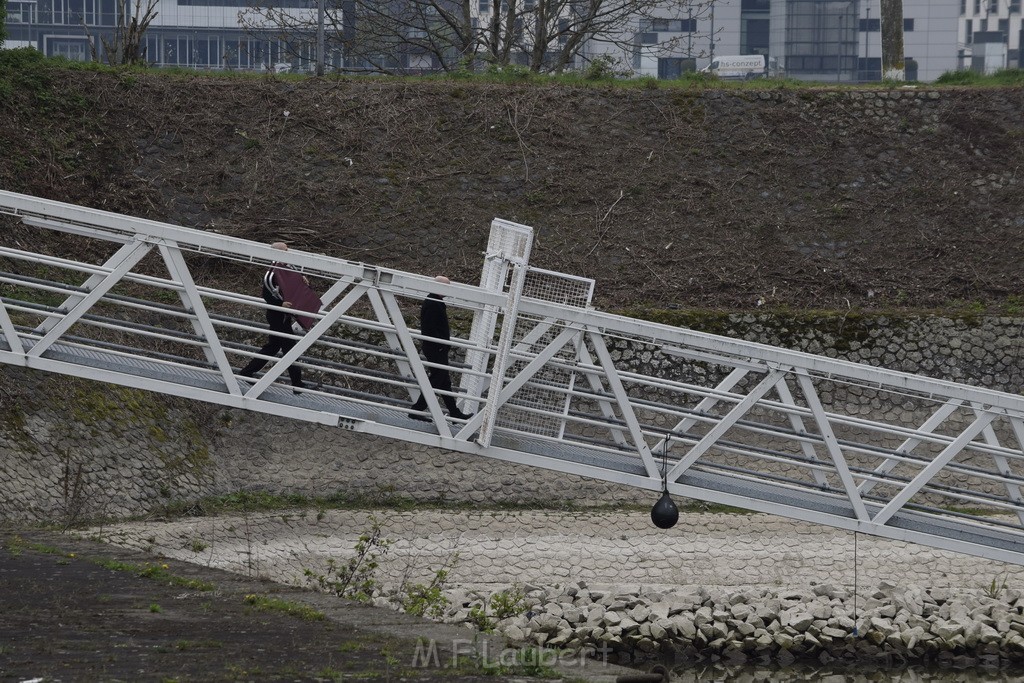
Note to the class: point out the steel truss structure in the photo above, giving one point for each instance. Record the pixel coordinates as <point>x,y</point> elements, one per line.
<point>552,383</point>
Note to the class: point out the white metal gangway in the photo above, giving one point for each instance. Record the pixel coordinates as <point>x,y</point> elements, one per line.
<point>552,382</point>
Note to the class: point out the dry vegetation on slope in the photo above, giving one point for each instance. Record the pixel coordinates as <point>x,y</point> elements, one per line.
<point>670,197</point>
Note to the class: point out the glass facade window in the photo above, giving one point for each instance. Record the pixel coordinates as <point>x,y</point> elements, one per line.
<point>908,25</point>
<point>21,12</point>
<point>674,67</point>
<point>755,36</point>
<point>485,6</point>
<point>74,49</point>
<point>211,51</point>
<point>755,25</point>
<point>207,51</point>
<point>869,69</point>
<point>821,38</point>
<point>669,25</point>
<point>870,25</point>
<point>1015,6</point>
<point>289,4</point>
<point>1004,27</point>
<point>76,12</point>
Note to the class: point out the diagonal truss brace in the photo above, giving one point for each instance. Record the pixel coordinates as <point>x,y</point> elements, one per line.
<point>127,259</point>
<point>511,386</point>
<point>929,426</point>
<point>603,403</point>
<point>725,424</point>
<point>201,321</point>
<point>706,404</point>
<point>7,327</point>
<point>390,336</point>
<point>797,423</point>
<point>625,407</point>
<point>305,341</point>
<point>935,466</point>
<point>91,282</point>
<point>419,371</point>
<point>831,443</point>
<point>1001,463</point>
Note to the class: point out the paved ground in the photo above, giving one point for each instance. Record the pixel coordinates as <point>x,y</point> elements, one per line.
<point>78,610</point>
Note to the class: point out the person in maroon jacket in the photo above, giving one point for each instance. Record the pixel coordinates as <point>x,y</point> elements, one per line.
<point>434,324</point>
<point>278,321</point>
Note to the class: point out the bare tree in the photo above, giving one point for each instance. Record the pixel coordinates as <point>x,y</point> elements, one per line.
<point>127,46</point>
<point>892,40</point>
<point>399,36</point>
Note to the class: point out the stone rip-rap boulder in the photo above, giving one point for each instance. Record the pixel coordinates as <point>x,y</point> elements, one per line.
<point>910,623</point>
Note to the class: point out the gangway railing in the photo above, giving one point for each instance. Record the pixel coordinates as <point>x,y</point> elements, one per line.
<point>552,383</point>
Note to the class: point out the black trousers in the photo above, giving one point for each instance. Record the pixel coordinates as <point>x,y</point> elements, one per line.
<point>275,345</point>
<point>440,378</point>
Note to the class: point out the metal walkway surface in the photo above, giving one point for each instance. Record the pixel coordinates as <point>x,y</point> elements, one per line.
<point>549,381</point>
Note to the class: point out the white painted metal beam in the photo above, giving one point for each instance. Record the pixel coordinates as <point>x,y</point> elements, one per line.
<point>710,413</point>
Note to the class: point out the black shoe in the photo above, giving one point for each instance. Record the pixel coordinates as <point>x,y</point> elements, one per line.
<point>459,415</point>
<point>420,417</point>
<point>296,387</point>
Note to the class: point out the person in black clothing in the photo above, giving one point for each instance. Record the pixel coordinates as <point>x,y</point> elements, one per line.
<point>434,323</point>
<point>278,321</point>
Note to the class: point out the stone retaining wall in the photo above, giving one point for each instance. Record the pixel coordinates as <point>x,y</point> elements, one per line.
<point>71,449</point>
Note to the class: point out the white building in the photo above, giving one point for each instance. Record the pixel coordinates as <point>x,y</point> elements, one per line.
<point>819,40</point>
<point>204,34</point>
<point>991,33</point>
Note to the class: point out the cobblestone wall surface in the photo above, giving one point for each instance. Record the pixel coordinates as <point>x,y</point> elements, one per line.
<point>71,449</point>
<point>623,549</point>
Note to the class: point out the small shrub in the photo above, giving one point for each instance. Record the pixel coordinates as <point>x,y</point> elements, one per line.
<point>426,600</point>
<point>603,68</point>
<point>478,617</point>
<point>995,589</point>
<point>510,73</point>
<point>959,77</point>
<point>502,605</point>
<point>355,579</point>
<point>648,82</point>
<point>21,58</point>
<point>510,602</point>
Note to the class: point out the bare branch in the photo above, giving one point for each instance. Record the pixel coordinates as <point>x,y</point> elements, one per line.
<point>409,36</point>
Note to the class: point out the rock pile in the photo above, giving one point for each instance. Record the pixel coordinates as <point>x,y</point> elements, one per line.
<point>762,625</point>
